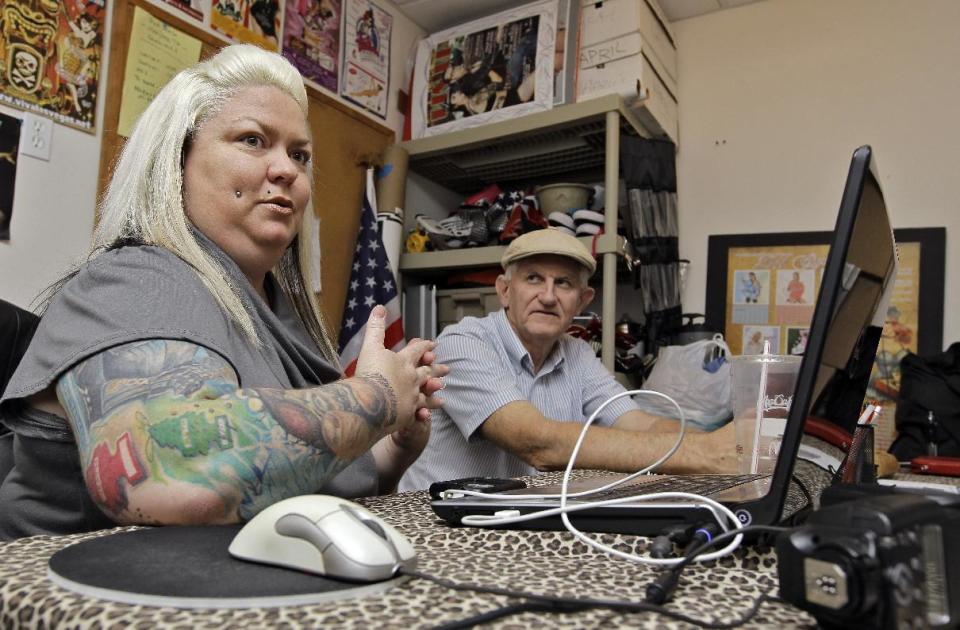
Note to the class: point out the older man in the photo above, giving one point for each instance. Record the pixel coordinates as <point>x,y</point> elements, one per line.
<point>520,388</point>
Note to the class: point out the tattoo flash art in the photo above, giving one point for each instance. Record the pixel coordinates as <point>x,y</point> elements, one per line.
<point>52,52</point>
<point>366,55</point>
<point>251,21</point>
<point>311,39</point>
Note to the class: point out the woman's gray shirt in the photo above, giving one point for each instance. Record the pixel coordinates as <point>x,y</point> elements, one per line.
<point>130,294</point>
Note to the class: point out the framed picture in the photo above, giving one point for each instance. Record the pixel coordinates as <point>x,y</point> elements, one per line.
<point>490,69</point>
<point>764,286</point>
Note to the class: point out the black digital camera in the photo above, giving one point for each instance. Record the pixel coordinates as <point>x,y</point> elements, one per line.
<point>890,561</point>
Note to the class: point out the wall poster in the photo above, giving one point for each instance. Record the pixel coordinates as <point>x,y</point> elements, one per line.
<point>311,39</point>
<point>366,56</point>
<point>764,287</point>
<point>157,52</point>
<point>251,21</point>
<point>196,9</point>
<point>491,69</point>
<point>52,54</point>
<point>9,148</point>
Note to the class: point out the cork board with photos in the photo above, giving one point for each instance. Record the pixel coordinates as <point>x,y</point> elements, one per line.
<point>763,287</point>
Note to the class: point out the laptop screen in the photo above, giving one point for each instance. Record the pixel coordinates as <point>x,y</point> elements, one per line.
<point>848,317</point>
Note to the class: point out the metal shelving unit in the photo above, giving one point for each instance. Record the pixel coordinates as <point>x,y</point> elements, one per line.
<point>567,142</point>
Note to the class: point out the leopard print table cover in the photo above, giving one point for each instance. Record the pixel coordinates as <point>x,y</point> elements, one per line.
<point>530,561</point>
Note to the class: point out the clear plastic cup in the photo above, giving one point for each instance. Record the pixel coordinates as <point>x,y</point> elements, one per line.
<point>762,392</point>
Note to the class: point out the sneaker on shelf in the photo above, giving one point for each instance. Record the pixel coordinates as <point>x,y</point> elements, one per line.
<point>476,216</point>
<point>563,222</point>
<point>449,233</point>
<point>587,216</point>
<point>589,222</point>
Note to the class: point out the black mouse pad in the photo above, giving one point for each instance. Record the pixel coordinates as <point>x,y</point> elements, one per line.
<point>189,567</point>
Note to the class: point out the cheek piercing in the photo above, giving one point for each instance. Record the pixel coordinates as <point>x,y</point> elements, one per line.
<point>238,194</point>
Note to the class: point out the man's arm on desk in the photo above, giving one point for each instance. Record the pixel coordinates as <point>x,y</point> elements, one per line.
<point>634,442</point>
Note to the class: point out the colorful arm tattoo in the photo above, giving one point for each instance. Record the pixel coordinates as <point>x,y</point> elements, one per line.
<point>166,436</point>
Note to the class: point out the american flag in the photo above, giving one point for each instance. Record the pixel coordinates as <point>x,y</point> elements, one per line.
<point>371,283</point>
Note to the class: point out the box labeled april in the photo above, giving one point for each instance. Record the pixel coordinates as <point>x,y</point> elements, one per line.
<point>621,67</point>
<point>611,19</point>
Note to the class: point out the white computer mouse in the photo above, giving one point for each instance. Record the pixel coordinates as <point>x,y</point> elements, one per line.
<point>325,535</point>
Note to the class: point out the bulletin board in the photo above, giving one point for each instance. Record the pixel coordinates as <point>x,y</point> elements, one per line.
<point>346,142</point>
<point>763,287</point>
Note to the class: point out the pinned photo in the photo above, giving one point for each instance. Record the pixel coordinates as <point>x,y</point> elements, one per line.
<point>795,286</point>
<point>754,336</point>
<point>797,339</point>
<point>751,287</point>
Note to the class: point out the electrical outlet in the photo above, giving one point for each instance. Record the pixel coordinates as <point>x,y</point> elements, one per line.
<point>36,136</point>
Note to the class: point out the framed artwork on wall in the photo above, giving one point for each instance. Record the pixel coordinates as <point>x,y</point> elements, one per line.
<point>490,69</point>
<point>764,286</point>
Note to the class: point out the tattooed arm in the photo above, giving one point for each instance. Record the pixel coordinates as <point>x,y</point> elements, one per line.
<point>166,436</point>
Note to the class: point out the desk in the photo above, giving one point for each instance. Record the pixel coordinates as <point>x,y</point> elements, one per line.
<point>540,562</point>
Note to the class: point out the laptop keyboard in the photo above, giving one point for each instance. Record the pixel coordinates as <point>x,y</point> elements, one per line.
<point>694,484</point>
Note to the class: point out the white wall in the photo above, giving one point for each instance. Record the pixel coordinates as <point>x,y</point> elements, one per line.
<point>52,213</point>
<point>54,201</point>
<point>774,97</point>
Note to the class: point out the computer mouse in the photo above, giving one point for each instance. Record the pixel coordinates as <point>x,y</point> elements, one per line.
<point>326,535</point>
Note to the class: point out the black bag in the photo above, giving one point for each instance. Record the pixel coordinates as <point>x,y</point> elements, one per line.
<point>928,411</point>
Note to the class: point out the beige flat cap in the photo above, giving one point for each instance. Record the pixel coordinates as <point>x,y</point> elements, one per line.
<point>548,241</point>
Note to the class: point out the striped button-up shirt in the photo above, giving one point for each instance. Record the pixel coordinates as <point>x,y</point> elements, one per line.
<point>489,368</point>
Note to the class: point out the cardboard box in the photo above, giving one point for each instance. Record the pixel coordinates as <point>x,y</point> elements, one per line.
<point>606,20</point>
<point>621,66</point>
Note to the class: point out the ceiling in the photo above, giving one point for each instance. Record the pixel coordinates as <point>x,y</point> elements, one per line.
<point>436,15</point>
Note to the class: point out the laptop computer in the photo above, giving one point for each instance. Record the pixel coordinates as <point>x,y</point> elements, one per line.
<point>854,292</point>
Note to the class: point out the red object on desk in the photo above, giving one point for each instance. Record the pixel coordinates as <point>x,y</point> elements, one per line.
<point>934,465</point>
<point>828,432</point>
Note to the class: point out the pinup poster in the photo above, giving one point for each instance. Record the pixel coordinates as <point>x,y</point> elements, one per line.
<point>311,39</point>
<point>52,53</point>
<point>9,144</point>
<point>251,21</point>
<point>193,8</point>
<point>366,56</point>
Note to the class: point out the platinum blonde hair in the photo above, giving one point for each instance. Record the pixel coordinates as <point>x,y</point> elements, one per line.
<point>144,202</point>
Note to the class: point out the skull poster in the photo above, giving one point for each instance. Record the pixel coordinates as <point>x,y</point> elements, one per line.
<point>50,58</point>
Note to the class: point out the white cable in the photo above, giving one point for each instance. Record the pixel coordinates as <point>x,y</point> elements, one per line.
<point>576,449</point>
<point>564,509</point>
<point>629,556</point>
